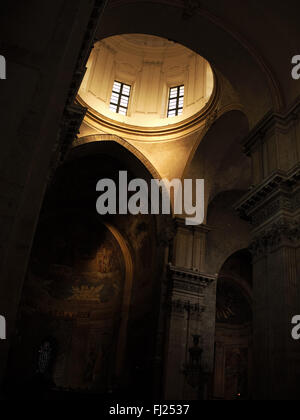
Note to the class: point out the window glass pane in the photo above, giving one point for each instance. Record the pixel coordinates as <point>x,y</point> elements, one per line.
<point>173,93</point>
<point>114,99</point>
<point>117,87</point>
<point>126,90</point>
<point>173,104</point>
<point>124,101</point>
<point>113,107</point>
<point>176,101</point>
<point>123,111</point>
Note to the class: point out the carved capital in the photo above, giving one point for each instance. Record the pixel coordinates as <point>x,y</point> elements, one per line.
<point>282,233</point>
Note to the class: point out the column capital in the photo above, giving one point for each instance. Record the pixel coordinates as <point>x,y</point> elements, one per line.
<point>282,233</point>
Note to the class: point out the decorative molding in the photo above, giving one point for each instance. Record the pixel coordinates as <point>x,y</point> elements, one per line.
<point>278,195</point>
<point>211,119</point>
<point>190,281</point>
<point>154,134</point>
<point>284,232</point>
<point>180,306</point>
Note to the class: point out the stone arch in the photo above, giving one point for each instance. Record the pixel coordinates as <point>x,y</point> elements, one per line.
<point>127,242</point>
<point>229,270</point>
<point>98,138</point>
<point>127,295</point>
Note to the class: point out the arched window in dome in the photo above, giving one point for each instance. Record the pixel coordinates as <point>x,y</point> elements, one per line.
<point>120,98</point>
<point>176,101</point>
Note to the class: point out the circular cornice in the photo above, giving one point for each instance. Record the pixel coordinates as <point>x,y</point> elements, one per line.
<point>188,126</point>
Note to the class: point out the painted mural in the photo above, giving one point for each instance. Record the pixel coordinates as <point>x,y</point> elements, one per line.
<point>75,262</point>
<point>75,283</point>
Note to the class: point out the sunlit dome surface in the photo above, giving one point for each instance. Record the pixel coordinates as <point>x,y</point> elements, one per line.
<point>145,81</point>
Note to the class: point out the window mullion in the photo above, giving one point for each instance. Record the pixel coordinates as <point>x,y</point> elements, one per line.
<point>120,96</point>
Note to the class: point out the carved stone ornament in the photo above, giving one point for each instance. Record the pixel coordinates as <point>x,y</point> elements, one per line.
<point>190,281</point>
<point>180,307</point>
<point>282,233</point>
<point>280,193</point>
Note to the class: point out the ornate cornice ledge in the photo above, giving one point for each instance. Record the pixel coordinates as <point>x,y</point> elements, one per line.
<point>277,196</point>
<point>190,281</point>
<point>273,120</point>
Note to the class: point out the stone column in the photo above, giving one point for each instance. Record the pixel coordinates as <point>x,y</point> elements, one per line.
<point>273,208</point>
<point>191,301</point>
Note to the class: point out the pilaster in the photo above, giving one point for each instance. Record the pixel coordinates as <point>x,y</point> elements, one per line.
<point>191,305</point>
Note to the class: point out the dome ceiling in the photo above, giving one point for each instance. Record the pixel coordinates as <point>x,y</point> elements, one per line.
<point>140,40</point>
<point>149,67</point>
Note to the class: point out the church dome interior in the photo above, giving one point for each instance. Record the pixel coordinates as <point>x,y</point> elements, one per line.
<point>145,81</point>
